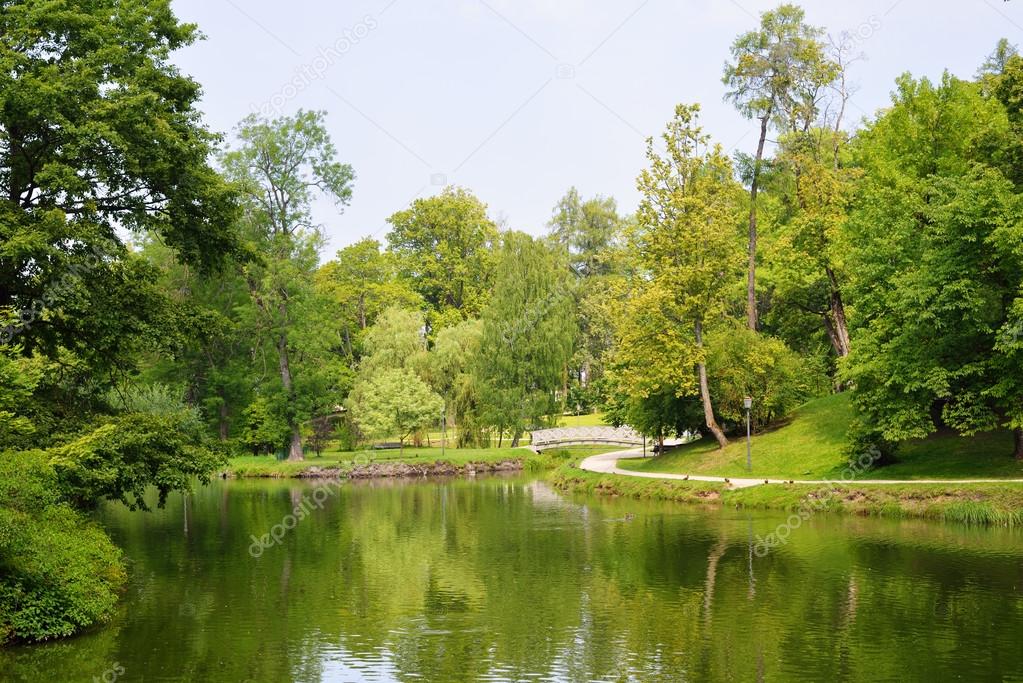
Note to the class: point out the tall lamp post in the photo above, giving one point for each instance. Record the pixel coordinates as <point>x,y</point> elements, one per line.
<point>747,403</point>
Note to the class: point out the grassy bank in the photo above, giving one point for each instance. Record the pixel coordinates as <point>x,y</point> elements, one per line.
<point>810,445</point>
<point>344,463</point>
<point>986,504</point>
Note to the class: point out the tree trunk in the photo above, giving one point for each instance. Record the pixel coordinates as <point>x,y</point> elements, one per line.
<point>751,274</point>
<point>1017,440</point>
<point>223,418</point>
<point>295,447</point>
<point>708,409</point>
<point>838,319</point>
<point>564,386</point>
<point>515,439</point>
<point>829,327</point>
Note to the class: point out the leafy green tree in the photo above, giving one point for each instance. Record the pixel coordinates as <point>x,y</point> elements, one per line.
<point>805,250</point>
<point>395,341</point>
<point>587,229</point>
<point>528,334</point>
<point>214,362</point>
<point>100,138</point>
<point>777,76</point>
<point>394,402</point>
<point>762,367</point>
<point>265,429</point>
<point>447,368</point>
<point>935,247</point>
<point>651,385</point>
<point>280,167</point>
<point>590,231</point>
<point>444,249</point>
<point>687,245</point>
<point>360,282</point>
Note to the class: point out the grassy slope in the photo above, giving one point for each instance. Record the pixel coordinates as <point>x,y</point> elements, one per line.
<point>266,466</point>
<point>810,447</point>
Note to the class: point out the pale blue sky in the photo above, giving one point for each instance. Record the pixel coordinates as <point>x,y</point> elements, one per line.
<point>519,99</point>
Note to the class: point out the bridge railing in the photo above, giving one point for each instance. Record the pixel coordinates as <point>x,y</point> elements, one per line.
<point>567,436</point>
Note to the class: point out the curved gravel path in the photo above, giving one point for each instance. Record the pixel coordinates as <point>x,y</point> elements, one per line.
<point>607,463</point>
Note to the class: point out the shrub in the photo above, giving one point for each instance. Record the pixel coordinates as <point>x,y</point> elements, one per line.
<point>59,572</point>
<point>744,363</point>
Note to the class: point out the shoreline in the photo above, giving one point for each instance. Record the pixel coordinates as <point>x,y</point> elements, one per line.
<point>984,504</point>
<point>381,470</point>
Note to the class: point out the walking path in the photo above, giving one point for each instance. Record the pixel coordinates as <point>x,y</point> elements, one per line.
<point>607,463</point>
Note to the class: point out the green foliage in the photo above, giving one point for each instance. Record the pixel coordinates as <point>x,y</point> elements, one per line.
<point>266,429</point>
<point>124,455</point>
<point>745,363</point>
<point>394,402</point>
<point>280,166</point>
<point>935,244</point>
<point>443,246</point>
<point>396,340</point>
<point>360,283</point>
<point>528,336</point>
<point>688,256</point>
<point>779,69</point>
<point>587,229</point>
<point>59,572</point>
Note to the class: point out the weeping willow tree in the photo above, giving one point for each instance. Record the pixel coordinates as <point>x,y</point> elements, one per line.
<point>529,331</point>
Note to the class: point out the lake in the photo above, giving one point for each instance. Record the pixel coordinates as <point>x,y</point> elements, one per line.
<point>506,579</point>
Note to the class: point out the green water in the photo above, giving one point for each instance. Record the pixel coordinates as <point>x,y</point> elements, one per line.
<point>503,579</point>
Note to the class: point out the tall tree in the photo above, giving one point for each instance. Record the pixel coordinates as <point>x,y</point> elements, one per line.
<point>444,247</point>
<point>935,241</point>
<point>805,250</point>
<point>280,166</point>
<point>590,230</point>
<point>99,136</point>
<point>587,229</point>
<point>361,282</point>
<point>688,216</point>
<point>528,335</point>
<point>390,397</point>
<point>214,364</point>
<point>777,75</point>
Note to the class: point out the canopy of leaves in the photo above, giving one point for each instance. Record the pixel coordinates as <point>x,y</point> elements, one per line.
<point>936,250</point>
<point>444,249</point>
<point>528,335</point>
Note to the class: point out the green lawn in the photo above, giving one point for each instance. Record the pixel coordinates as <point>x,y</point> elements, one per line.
<point>810,446</point>
<point>264,466</point>
<point>589,420</point>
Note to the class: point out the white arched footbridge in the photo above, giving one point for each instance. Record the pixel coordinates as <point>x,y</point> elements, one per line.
<point>543,439</point>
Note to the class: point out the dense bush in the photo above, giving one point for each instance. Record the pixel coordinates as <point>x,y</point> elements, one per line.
<point>59,572</point>
<point>743,363</point>
<point>123,455</point>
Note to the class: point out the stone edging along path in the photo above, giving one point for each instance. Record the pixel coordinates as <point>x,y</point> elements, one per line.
<point>607,463</point>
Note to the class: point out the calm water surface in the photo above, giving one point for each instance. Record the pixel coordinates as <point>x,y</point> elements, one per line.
<point>504,579</point>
